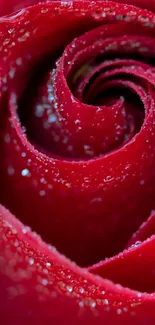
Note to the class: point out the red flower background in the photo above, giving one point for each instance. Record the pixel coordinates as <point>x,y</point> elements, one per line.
<point>77,145</point>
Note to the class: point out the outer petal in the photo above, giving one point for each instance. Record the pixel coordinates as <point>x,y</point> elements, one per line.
<point>38,285</point>
<point>10,6</point>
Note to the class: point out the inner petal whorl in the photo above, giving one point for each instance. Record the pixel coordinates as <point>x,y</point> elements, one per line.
<point>78,132</point>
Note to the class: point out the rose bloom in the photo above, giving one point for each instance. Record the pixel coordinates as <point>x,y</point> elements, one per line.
<point>77,162</point>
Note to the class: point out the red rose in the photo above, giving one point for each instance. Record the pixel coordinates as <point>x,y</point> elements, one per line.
<point>77,146</point>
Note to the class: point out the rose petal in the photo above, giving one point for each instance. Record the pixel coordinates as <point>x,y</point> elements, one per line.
<point>39,285</point>
<point>134,268</point>
<point>146,230</point>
